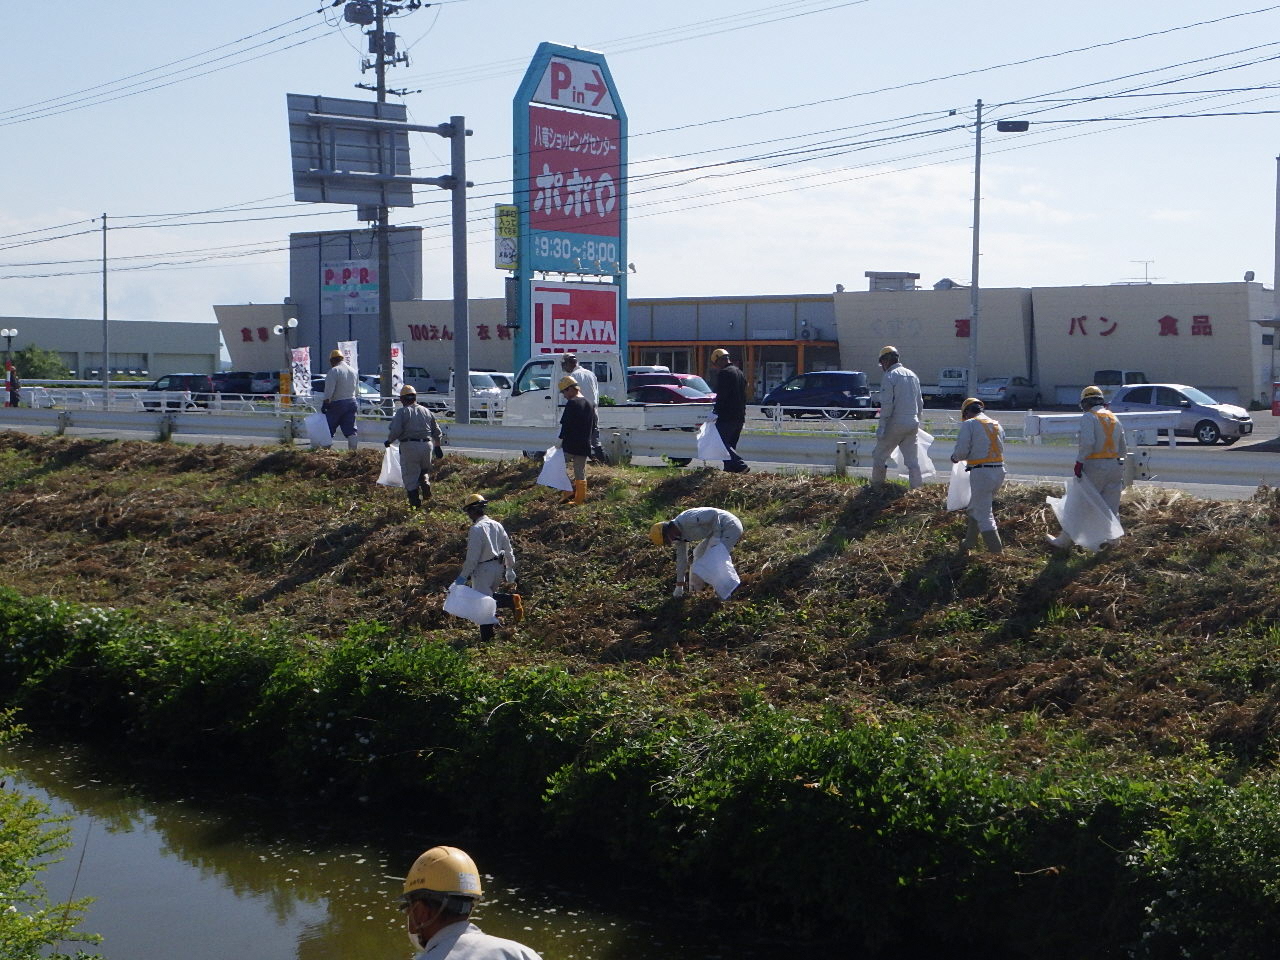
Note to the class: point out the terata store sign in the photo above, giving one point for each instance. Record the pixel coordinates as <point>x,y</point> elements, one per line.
<point>574,316</point>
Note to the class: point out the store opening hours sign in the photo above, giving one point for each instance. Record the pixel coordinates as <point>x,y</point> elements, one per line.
<point>574,316</point>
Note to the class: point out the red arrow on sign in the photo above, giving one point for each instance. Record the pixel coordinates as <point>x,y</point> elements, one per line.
<point>597,87</point>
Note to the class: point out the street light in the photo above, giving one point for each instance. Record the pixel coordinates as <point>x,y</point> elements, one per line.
<point>285,330</point>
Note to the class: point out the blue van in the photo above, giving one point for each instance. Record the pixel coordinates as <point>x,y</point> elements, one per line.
<point>838,394</point>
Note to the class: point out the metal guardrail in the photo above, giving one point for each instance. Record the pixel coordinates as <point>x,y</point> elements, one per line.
<point>1142,427</point>
<point>829,452</point>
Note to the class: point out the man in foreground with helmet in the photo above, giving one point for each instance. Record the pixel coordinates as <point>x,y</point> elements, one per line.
<point>441,890</point>
<point>415,427</point>
<point>901,407</point>
<point>730,407</point>
<point>1100,456</point>
<point>709,525</point>
<point>339,404</point>
<point>490,559</point>
<point>577,424</point>
<point>980,444</point>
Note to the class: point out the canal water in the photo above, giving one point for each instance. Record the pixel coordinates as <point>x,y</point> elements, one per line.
<point>175,877</point>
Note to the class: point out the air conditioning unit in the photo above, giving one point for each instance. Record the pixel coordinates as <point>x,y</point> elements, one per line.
<point>806,334</point>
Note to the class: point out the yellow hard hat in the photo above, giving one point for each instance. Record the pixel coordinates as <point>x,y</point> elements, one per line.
<point>447,871</point>
<point>719,352</point>
<point>408,391</point>
<point>886,351</point>
<point>1091,392</point>
<point>336,355</point>
<point>972,400</point>
<point>567,382</point>
<point>473,501</point>
<point>656,535</point>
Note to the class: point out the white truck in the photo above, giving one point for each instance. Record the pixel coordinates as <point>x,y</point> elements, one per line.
<point>535,401</point>
<point>952,386</point>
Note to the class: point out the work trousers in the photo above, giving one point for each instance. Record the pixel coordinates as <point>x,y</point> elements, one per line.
<point>903,437</point>
<point>1107,477</point>
<point>730,433</point>
<point>729,535</point>
<point>415,460</point>
<point>341,414</point>
<point>487,576</point>
<point>983,484</point>
<point>579,463</point>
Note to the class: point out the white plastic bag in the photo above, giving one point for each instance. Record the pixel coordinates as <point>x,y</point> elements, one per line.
<point>715,566</point>
<point>923,442</point>
<point>390,475</point>
<point>958,490</point>
<point>710,444</point>
<point>1085,516</point>
<point>463,601</point>
<point>553,471</point>
<point>318,433</point>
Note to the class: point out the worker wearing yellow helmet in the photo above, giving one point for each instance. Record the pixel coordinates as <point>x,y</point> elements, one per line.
<point>414,427</point>
<point>980,446</point>
<point>339,404</point>
<point>898,426</point>
<point>1100,455</point>
<point>440,894</point>
<point>490,557</point>
<point>577,424</point>
<point>705,525</point>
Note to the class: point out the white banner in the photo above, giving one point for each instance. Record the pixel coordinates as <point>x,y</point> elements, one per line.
<point>300,368</point>
<point>351,350</point>
<point>397,368</point>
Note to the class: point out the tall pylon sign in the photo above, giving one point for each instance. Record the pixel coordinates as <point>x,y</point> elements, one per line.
<point>569,181</point>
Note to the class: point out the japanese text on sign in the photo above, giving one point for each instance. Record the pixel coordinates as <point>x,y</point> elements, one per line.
<point>573,316</point>
<point>574,172</point>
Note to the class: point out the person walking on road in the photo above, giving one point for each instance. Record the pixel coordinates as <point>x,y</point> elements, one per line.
<point>576,426</point>
<point>730,407</point>
<point>705,525</point>
<point>415,427</point>
<point>901,408</point>
<point>1100,456</point>
<point>440,893</point>
<point>590,388</point>
<point>490,558</point>
<point>339,404</point>
<point>980,444</point>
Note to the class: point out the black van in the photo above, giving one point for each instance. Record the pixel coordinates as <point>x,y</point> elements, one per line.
<point>838,394</point>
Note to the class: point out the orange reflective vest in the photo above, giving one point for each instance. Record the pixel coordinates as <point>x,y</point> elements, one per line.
<point>1108,422</point>
<point>995,449</point>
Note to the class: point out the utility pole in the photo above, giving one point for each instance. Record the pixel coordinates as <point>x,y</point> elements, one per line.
<point>975,294</point>
<point>106,339</point>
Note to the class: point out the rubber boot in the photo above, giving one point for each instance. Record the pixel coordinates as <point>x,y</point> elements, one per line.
<point>567,496</point>
<point>353,442</point>
<point>424,484</point>
<point>970,535</point>
<point>1060,542</point>
<point>415,500</point>
<point>991,538</point>
<point>486,631</point>
<point>517,604</point>
<point>580,491</point>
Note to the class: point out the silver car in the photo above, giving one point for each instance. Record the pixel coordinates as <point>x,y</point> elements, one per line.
<point>1201,416</point>
<point>1011,392</point>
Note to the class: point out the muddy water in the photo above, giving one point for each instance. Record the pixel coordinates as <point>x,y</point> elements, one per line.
<point>174,877</point>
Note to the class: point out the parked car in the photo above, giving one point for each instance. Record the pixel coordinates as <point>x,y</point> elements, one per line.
<point>838,394</point>
<point>690,380</point>
<point>265,382</point>
<point>668,393</point>
<point>1201,416</point>
<point>198,385</point>
<point>504,380</point>
<point>233,383</point>
<point>648,368</point>
<point>1011,392</point>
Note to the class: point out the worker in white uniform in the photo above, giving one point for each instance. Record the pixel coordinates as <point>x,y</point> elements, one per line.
<point>416,430</point>
<point>490,559</point>
<point>339,404</point>
<point>705,525</point>
<point>440,893</point>
<point>590,387</point>
<point>1100,456</point>
<point>980,445</point>
<point>901,408</point>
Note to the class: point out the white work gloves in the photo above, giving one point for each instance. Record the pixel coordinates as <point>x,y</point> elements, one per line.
<point>678,591</point>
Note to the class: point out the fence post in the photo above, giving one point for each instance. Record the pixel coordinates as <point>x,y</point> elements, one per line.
<point>617,448</point>
<point>842,457</point>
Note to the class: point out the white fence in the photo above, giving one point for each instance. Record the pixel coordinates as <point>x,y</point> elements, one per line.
<point>828,452</point>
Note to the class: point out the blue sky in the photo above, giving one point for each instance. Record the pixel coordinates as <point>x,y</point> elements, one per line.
<point>776,148</point>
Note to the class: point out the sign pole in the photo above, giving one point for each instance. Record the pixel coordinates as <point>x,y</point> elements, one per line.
<point>461,307</point>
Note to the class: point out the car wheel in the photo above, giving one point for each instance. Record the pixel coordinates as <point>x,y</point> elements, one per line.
<point>842,413</point>
<point>1207,432</point>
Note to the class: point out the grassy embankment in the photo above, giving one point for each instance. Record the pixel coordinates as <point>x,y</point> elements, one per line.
<point>895,745</point>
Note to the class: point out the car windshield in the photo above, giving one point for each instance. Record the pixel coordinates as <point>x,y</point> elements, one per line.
<point>696,383</point>
<point>1198,396</point>
<point>482,381</point>
<point>994,382</point>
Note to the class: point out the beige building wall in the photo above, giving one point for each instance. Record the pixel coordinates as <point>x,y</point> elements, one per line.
<point>926,327</point>
<point>426,328</point>
<point>149,348</point>
<point>1200,334</point>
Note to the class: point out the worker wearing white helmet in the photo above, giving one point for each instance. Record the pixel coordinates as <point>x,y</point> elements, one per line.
<point>414,427</point>
<point>980,445</point>
<point>705,525</point>
<point>901,407</point>
<point>440,893</point>
<point>1100,456</point>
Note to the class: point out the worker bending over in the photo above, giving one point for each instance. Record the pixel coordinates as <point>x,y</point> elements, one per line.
<point>980,444</point>
<point>706,525</point>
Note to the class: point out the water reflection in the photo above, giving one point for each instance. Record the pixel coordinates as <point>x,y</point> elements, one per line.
<point>173,877</point>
